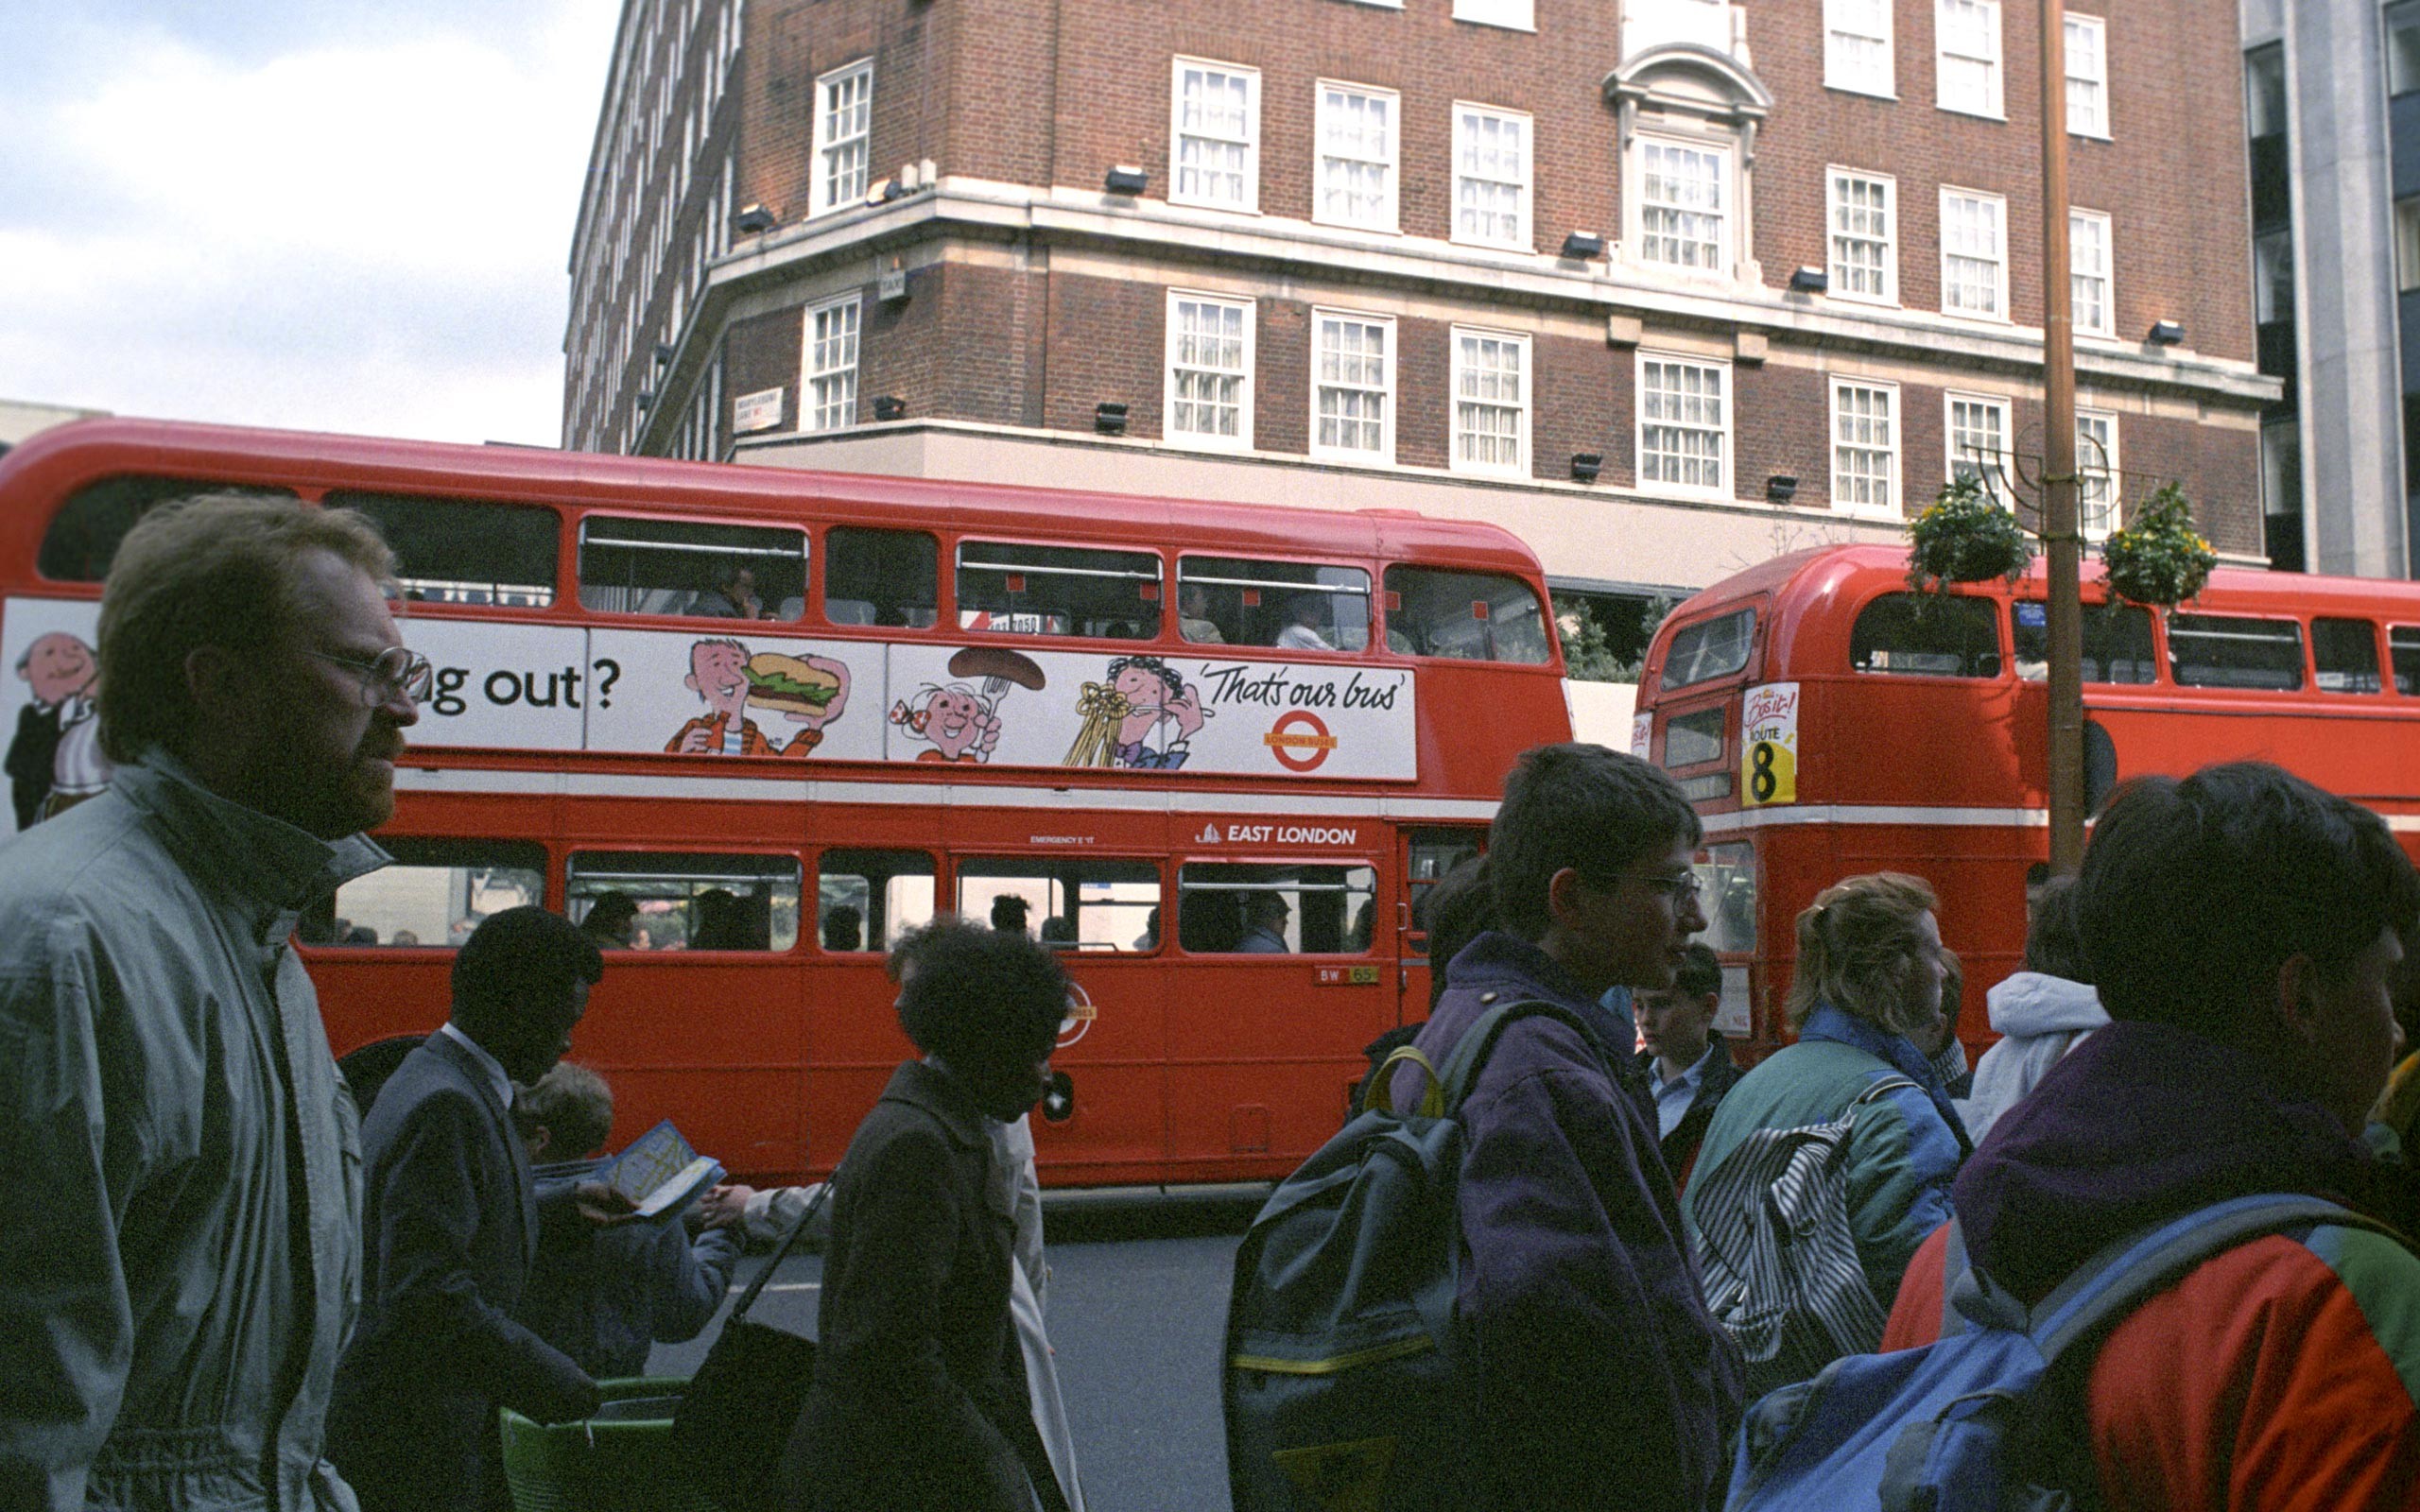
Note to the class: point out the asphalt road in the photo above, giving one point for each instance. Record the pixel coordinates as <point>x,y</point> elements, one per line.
<point>1138,1297</point>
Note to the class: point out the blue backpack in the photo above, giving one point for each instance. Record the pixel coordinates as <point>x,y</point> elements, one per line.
<point>1982,1418</point>
<point>1346,1384</point>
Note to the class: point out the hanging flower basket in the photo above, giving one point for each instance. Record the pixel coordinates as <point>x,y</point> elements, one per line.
<point>2160,560</point>
<point>1965,537</point>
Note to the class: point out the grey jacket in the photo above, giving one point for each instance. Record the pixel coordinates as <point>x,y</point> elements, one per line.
<point>180,1161</point>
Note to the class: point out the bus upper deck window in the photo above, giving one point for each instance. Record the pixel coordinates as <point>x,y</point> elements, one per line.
<point>2230,651</point>
<point>1027,589</point>
<point>889,577</point>
<point>2345,653</point>
<point>1299,606</point>
<point>686,901</point>
<point>1253,908</point>
<point>2403,644</point>
<point>1468,616</point>
<point>865,899</point>
<point>83,536</point>
<point>2117,642</point>
<point>434,895</point>
<point>1709,649</point>
<point>463,551</point>
<point>1092,906</point>
<point>1934,635</point>
<point>634,566</point>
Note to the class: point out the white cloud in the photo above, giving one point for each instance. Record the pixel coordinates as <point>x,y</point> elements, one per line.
<point>342,236</point>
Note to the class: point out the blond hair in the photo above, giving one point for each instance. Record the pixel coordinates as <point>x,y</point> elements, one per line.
<point>572,1103</point>
<point>1855,942</point>
<point>213,569</point>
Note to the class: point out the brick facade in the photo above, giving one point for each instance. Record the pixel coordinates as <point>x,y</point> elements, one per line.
<point>1030,296</point>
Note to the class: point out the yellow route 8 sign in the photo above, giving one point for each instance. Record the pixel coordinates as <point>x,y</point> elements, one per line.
<point>1768,746</point>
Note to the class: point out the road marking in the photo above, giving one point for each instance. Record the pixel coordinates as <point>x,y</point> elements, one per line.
<point>783,1286</point>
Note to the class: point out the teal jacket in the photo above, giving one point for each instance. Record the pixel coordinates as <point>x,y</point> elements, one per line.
<point>1903,1152</point>
<point>180,1161</point>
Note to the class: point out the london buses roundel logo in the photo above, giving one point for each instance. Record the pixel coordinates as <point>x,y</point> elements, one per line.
<point>1299,740</point>
<point>1081,1014</point>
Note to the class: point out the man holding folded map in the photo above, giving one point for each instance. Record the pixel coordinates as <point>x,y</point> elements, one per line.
<point>450,1221</point>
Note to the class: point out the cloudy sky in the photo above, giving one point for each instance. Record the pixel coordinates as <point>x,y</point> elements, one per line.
<point>339,214</point>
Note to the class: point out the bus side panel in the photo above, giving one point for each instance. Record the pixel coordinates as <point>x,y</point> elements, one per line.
<point>715,1043</point>
<point>1116,1128</point>
<point>1263,1051</point>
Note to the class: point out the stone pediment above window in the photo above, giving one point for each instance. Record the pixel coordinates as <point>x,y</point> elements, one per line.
<point>1689,117</point>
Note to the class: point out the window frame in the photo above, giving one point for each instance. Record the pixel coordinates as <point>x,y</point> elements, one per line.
<point>2302,683</point>
<point>1456,367</point>
<point>1250,203</point>
<point>708,849</point>
<point>1999,404</point>
<point>974,867</point>
<point>2097,129</point>
<point>1389,360</point>
<point>1196,440</point>
<point>2114,472</point>
<point>1726,193</point>
<point>609,516</point>
<point>814,873</point>
<point>2000,315</point>
<point>1835,75</point>
<point>964,602</point>
<point>1722,489</point>
<point>2107,326</point>
<point>823,196</point>
<point>811,402</point>
<point>1324,116</point>
<point>1893,504</point>
<point>1995,89</point>
<point>1468,113</point>
<point>1835,177</point>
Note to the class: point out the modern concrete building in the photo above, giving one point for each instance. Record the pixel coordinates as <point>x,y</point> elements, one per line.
<point>2333,107</point>
<point>1665,287</point>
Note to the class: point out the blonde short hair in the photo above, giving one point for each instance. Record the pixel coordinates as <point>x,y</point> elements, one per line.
<point>1854,944</point>
<point>213,569</point>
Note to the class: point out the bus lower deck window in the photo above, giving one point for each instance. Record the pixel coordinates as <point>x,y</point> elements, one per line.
<point>865,899</point>
<point>1254,908</point>
<point>1093,905</point>
<point>688,900</point>
<point>2233,651</point>
<point>435,894</point>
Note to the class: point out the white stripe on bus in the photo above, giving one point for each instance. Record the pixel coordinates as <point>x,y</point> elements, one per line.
<point>1941,817</point>
<point>931,795</point>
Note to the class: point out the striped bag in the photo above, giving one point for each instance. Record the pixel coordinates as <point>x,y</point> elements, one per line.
<point>1775,1252</point>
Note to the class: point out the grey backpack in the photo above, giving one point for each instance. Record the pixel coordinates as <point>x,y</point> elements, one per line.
<point>1776,1253</point>
<point>1346,1383</point>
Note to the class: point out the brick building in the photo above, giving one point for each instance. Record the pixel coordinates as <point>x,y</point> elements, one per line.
<point>1665,287</point>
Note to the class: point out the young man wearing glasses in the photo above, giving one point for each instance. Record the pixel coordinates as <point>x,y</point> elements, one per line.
<point>184,1181</point>
<point>1599,1372</point>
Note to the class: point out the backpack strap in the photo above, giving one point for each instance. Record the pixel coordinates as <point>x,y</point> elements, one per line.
<point>2112,1282</point>
<point>1376,1092</point>
<point>1470,1052</point>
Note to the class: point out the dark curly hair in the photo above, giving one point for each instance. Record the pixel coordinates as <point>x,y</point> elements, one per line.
<point>979,998</point>
<point>1166,674</point>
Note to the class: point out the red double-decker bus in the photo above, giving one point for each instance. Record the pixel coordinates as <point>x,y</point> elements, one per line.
<point>774,718</point>
<point>1826,722</point>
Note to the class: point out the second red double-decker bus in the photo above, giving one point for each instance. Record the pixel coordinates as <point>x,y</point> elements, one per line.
<point>771,719</point>
<point>1827,721</point>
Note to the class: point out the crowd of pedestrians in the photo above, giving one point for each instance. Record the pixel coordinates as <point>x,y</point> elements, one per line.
<point>222,1288</point>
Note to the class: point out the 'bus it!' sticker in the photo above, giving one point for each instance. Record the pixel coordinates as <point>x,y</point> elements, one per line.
<point>1768,746</point>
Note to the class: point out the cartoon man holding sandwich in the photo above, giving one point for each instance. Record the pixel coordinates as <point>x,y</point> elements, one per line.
<point>809,690</point>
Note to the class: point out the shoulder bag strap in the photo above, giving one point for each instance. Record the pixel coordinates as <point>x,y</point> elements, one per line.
<point>748,1299</point>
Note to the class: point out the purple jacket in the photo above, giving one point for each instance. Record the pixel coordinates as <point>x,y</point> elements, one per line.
<point>1601,1379</point>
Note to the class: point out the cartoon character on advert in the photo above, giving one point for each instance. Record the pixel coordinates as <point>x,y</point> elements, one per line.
<point>55,759</point>
<point>804,690</point>
<point>960,720</point>
<point>1144,700</point>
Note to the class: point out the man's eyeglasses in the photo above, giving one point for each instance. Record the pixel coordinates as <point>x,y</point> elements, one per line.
<point>397,669</point>
<point>1680,887</point>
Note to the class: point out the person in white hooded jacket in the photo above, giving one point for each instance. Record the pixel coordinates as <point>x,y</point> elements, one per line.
<point>2041,1012</point>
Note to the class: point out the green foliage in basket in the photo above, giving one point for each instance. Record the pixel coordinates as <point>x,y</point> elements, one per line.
<point>2159,560</point>
<point>1964,536</point>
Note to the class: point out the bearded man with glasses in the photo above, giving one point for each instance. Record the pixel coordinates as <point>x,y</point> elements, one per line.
<point>183,1176</point>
